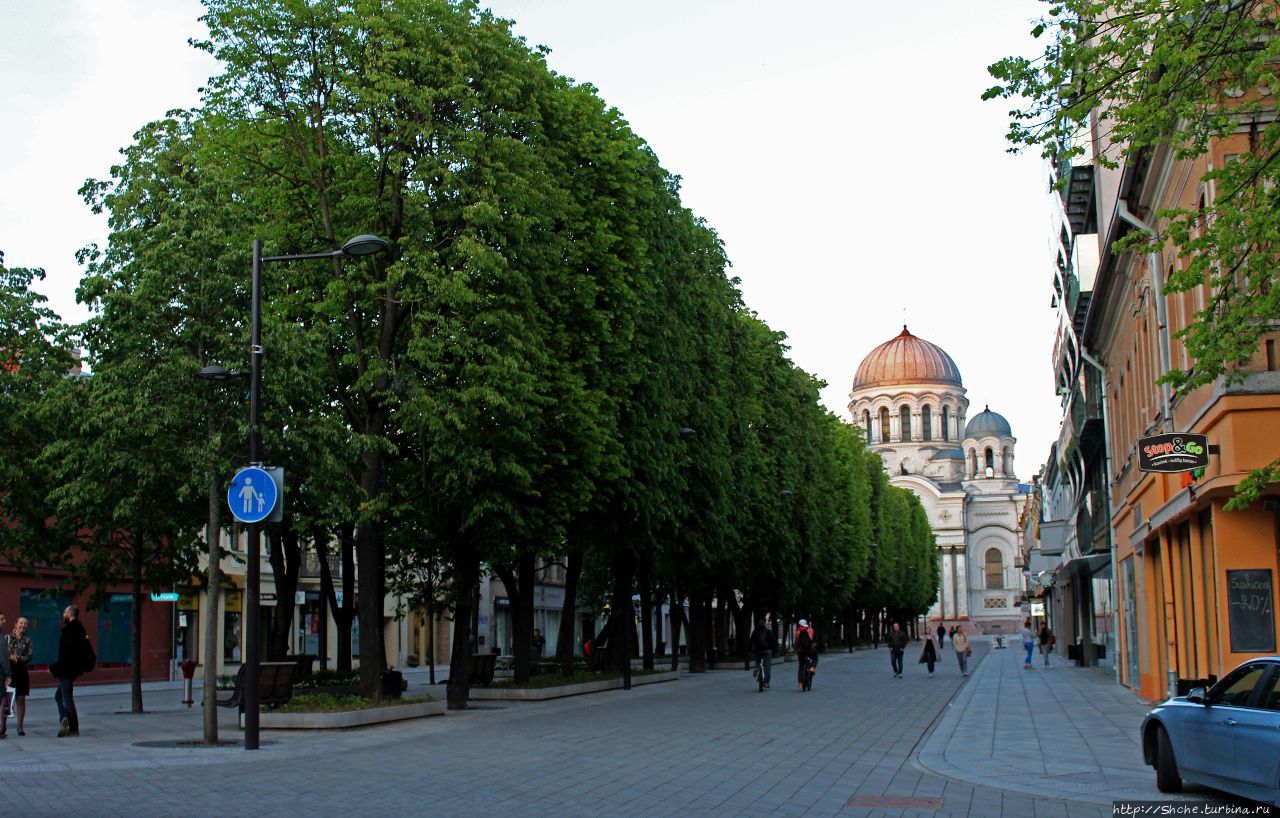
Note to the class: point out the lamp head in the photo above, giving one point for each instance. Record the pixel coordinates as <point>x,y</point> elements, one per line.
<point>216,373</point>
<point>364,245</point>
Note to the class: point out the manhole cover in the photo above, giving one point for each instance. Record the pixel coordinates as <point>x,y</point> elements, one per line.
<point>894,802</point>
<point>192,744</point>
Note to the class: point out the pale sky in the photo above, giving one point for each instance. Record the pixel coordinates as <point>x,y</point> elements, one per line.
<point>839,148</point>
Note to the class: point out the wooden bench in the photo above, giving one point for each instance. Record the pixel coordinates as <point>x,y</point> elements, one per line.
<point>275,685</point>
<point>480,668</point>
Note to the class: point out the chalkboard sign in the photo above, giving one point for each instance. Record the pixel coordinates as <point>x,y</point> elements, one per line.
<point>1250,599</point>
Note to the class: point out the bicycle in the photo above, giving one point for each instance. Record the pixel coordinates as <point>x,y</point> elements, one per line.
<point>758,672</point>
<point>810,667</point>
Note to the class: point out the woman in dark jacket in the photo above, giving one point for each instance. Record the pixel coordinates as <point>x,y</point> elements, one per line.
<point>69,665</point>
<point>929,654</point>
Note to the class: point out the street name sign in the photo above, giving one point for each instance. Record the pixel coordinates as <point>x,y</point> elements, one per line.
<point>166,596</point>
<point>1173,453</point>
<point>252,495</point>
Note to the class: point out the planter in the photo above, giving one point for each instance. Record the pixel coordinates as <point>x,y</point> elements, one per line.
<point>537,694</point>
<point>342,719</point>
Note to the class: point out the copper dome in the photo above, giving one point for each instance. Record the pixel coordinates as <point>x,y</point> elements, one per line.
<point>906,359</point>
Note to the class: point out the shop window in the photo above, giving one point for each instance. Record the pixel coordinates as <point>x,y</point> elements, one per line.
<point>232,631</point>
<point>995,569</point>
<point>115,623</point>
<point>43,611</point>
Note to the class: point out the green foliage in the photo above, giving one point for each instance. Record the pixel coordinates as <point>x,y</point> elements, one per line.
<point>1147,75</point>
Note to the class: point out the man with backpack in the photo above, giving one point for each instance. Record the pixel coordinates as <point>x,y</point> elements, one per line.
<point>763,643</point>
<point>75,656</point>
<point>806,654</point>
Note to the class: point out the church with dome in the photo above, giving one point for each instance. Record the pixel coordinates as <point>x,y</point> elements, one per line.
<point>910,403</point>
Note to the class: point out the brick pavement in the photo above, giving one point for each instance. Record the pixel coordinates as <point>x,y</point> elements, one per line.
<point>704,745</point>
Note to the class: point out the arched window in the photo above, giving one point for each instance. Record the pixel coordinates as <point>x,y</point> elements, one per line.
<point>866,424</point>
<point>991,460</point>
<point>926,424</point>
<point>905,415</point>
<point>946,423</point>
<point>995,569</point>
<point>884,425</point>
<point>1007,460</point>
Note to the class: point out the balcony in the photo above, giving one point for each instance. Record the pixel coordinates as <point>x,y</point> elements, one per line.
<point>1077,194</point>
<point>1086,410</point>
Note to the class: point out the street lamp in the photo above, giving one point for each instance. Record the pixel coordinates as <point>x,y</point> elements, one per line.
<point>360,246</point>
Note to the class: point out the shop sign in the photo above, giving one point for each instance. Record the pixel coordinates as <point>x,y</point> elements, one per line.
<point>188,600</point>
<point>1173,453</point>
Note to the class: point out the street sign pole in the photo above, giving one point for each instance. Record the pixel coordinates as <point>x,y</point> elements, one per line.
<point>253,580</point>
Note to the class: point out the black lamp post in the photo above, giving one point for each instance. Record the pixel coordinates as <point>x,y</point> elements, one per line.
<point>362,245</point>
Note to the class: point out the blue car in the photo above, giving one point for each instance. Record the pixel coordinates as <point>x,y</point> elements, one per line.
<point>1227,737</point>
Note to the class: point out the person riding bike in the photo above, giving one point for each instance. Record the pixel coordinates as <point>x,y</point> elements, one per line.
<point>763,644</point>
<point>806,655</point>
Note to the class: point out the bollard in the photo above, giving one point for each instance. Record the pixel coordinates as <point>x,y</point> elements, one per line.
<point>188,677</point>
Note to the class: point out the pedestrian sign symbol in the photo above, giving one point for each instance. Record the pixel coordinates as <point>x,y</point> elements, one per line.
<point>252,496</point>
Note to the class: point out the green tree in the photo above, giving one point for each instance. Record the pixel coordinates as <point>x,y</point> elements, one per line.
<point>1150,74</point>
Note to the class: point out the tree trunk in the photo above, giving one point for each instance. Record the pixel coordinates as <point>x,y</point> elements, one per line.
<point>646,616</point>
<point>519,585</point>
<point>286,562</point>
<point>677,618</point>
<point>342,614</point>
<point>213,599</point>
<point>467,566</point>
<point>624,613</point>
<point>135,642</point>
<point>697,632</point>
<point>565,647</point>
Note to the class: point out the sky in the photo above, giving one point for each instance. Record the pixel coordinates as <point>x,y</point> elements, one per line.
<point>839,148</point>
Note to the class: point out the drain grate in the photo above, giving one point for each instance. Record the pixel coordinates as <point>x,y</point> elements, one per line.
<point>894,802</point>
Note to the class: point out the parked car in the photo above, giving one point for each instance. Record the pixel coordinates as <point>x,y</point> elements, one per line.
<point>1226,737</point>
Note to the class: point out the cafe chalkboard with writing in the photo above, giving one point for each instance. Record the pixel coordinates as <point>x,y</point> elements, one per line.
<point>1250,600</point>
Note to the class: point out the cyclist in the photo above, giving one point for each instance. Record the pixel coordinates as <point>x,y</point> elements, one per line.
<point>806,654</point>
<point>763,643</point>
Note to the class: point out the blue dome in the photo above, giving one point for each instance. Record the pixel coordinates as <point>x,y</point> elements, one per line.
<point>987,424</point>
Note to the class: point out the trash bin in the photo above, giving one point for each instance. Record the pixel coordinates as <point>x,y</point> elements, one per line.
<point>392,684</point>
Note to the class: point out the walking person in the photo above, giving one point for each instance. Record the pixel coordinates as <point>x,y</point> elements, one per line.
<point>961,644</point>
<point>942,632</point>
<point>763,644</point>
<point>897,642</point>
<point>539,643</point>
<point>929,653</point>
<point>1028,644</point>
<point>806,655</point>
<point>20,664</point>
<point>1046,640</point>
<point>70,664</point>
<point>5,674</point>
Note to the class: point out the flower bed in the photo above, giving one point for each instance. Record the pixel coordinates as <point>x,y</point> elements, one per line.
<point>326,711</point>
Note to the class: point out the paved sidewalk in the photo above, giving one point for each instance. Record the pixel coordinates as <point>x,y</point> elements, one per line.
<point>861,744</point>
<point>1064,731</point>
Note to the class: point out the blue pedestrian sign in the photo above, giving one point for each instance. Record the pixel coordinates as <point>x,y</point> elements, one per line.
<point>252,496</point>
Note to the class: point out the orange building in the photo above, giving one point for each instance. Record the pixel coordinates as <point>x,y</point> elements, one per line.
<point>1195,583</point>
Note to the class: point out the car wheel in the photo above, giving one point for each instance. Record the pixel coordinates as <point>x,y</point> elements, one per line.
<point>1167,778</point>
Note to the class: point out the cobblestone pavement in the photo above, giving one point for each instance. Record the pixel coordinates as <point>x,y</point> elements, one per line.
<point>858,745</point>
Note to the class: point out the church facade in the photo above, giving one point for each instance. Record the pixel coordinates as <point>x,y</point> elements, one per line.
<point>909,400</point>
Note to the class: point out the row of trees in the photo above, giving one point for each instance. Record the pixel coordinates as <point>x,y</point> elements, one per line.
<point>550,362</point>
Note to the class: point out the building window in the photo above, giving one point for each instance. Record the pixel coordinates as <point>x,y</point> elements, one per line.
<point>995,569</point>
<point>926,424</point>
<point>905,415</point>
<point>866,424</point>
<point>946,423</point>
<point>990,460</point>
<point>884,425</point>
<point>231,626</point>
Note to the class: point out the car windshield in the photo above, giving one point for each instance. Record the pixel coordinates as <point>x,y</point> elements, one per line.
<point>1235,690</point>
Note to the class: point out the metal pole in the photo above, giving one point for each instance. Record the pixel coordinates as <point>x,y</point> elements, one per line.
<point>251,648</point>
